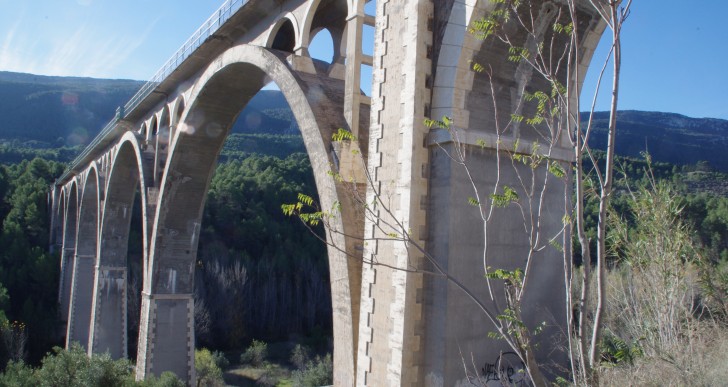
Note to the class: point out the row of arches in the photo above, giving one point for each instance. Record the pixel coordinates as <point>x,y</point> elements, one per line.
<point>290,34</point>
<point>95,210</point>
<point>322,34</point>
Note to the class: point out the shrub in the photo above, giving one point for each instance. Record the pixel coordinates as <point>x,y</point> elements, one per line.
<point>255,354</point>
<point>167,379</point>
<point>208,371</point>
<point>300,356</point>
<point>75,368</point>
<point>18,374</point>
<point>654,298</point>
<point>665,307</point>
<point>319,372</point>
<point>71,368</point>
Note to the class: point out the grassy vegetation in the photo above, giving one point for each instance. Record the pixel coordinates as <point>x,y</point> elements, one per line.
<point>667,309</point>
<point>283,364</point>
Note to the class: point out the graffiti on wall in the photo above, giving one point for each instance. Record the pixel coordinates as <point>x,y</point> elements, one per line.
<point>506,369</point>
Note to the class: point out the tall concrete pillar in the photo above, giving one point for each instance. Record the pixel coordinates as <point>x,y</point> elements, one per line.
<point>79,318</point>
<point>166,336</point>
<point>109,312</point>
<point>64,295</point>
<point>390,348</point>
<point>109,316</point>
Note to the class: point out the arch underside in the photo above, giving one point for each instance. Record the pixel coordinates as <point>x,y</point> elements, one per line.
<point>109,312</point>
<point>215,101</point>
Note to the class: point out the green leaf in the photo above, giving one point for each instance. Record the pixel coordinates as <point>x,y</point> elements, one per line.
<point>508,196</point>
<point>477,67</point>
<point>305,199</point>
<point>556,169</point>
<point>343,135</point>
<point>556,245</point>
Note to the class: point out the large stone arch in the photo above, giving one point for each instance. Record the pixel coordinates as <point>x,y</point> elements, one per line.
<point>83,268</point>
<point>221,93</point>
<point>68,253</point>
<point>109,311</point>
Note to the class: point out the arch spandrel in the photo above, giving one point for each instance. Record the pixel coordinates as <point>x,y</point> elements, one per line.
<point>215,101</point>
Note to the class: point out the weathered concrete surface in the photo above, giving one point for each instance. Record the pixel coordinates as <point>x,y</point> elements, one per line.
<point>392,325</point>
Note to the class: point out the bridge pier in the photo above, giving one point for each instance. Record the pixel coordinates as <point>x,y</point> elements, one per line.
<point>167,336</point>
<point>109,317</point>
<point>68,255</point>
<point>79,315</point>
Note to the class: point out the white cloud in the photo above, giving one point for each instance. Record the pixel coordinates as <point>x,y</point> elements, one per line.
<point>115,52</point>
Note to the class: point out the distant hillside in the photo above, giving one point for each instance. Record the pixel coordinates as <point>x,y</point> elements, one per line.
<point>668,137</point>
<point>67,111</point>
<point>58,110</point>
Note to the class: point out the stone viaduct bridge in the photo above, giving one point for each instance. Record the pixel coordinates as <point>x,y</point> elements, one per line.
<point>391,327</point>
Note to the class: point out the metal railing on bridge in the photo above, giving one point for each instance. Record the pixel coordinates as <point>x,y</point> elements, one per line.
<point>208,28</point>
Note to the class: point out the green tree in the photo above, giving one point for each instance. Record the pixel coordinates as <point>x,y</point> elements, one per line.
<point>209,372</point>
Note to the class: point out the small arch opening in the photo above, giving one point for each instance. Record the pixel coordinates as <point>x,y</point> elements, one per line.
<point>330,15</point>
<point>322,46</point>
<point>285,39</point>
<point>370,8</point>
<point>366,80</point>
<point>367,40</point>
<point>155,127</point>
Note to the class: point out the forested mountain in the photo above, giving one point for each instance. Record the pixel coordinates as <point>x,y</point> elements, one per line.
<point>42,111</point>
<point>69,111</point>
<point>58,111</point>
<point>668,137</point>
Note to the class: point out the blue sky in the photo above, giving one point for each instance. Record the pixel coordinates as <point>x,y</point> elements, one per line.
<point>675,56</point>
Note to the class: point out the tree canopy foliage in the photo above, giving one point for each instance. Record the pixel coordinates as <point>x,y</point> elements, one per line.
<point>27,270</point>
